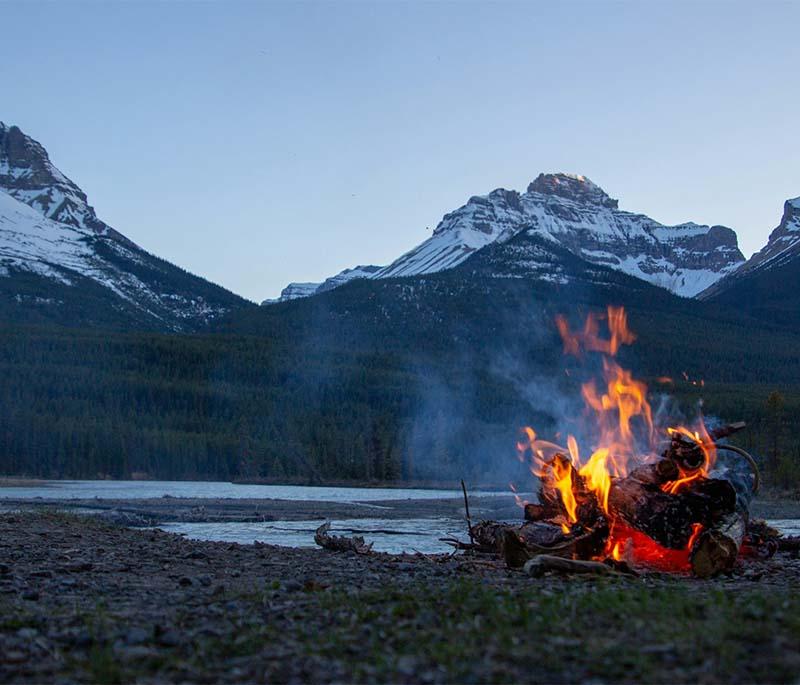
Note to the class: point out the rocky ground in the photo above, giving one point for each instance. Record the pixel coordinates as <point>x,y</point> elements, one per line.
<point>85,601</point>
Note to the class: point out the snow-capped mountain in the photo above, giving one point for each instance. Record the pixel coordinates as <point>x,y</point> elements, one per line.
<point>296,290</point>
<point>782,246</point>
<point>51,239</point>
<point>571,212</point>
<point>766,286</point>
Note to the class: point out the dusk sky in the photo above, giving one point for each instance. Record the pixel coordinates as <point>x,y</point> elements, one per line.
<point>257,143</point>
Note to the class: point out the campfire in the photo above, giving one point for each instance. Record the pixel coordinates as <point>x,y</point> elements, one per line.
<point>635,492</point>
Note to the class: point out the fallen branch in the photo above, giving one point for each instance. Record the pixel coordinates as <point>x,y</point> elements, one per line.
<point>541,564</point>
<point>466,510</point>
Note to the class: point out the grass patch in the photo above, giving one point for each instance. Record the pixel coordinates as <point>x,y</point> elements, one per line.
<point>608,630</point>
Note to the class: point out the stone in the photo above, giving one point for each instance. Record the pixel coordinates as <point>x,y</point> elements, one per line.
<point>137,636</point>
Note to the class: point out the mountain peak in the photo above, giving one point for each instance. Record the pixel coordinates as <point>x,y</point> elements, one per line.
<point>572,187</point>
<point>27,174</point>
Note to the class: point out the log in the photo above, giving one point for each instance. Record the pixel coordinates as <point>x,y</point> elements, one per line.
<point>688,454</point>
<point>717,547</point>
<point>534,533</point>
<point>551,507</point>
<point>340,543</point>
<point>669,518</point>
<point>543,563</point>
<point>660,472</point>
<point>517,544</point>
<point>515,552</point>
<point>789,544</point>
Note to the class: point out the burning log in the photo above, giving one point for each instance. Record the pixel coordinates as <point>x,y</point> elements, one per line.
<point>340,543</point>
<point>669,518</point>
<point>689,453</point>
<point>716,549</point>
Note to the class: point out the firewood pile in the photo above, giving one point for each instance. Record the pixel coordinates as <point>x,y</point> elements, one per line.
<point>701,525</point>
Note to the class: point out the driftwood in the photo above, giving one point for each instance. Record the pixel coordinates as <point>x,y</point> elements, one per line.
<point>340,543</point>
<point>543,563</point>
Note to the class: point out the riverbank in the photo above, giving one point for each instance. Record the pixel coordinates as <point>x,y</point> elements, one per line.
<point>84,601</point>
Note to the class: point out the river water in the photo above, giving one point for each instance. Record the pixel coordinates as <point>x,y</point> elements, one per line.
<point>387,535</point>
<point>147,489</point>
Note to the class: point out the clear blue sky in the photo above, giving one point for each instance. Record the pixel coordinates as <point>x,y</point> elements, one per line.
<point>257,143</point>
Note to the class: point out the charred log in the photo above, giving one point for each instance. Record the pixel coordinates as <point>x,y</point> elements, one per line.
<point>661,472</point>
<point>670,518</point>
<point>517,544</point>
<point>689,454</point>
<point>551,506</point>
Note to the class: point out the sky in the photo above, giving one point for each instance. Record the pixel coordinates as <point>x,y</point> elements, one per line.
<point>258,143</point>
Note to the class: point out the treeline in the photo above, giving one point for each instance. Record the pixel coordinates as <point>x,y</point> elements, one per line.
<point>87,405</point>
<point>371,382</point>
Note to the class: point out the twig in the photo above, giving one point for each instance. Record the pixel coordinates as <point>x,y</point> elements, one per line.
<point>466,507</point>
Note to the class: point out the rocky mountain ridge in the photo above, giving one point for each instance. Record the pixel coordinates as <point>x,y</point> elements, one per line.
<point>52,240</point>
<point>572,212</point>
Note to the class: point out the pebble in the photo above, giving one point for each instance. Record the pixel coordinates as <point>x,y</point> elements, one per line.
<point>292,586</point>
<point>169,638</point>
<point>137,636</point>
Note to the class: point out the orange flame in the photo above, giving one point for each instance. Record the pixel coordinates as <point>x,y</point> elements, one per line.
<point>705,444</point>
<point>589,338</point>
<point>624,435</point>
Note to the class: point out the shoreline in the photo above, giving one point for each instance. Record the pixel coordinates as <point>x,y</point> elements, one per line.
<point>455,485</point>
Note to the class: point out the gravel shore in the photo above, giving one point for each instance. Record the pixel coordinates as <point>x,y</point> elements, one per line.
<point>85,601</point>
<point>159,510</point>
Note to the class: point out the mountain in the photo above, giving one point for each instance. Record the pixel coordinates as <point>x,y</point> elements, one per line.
<point>571,212</point>
<point>60,263</point>
<point>294,291</point>
<point>767,286</point>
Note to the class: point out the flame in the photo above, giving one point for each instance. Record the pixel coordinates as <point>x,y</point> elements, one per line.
<point>705,444</point>
<point>562,481</point>
<point>622,435</point>
<point>598,476</point>
<point>589,338</point>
